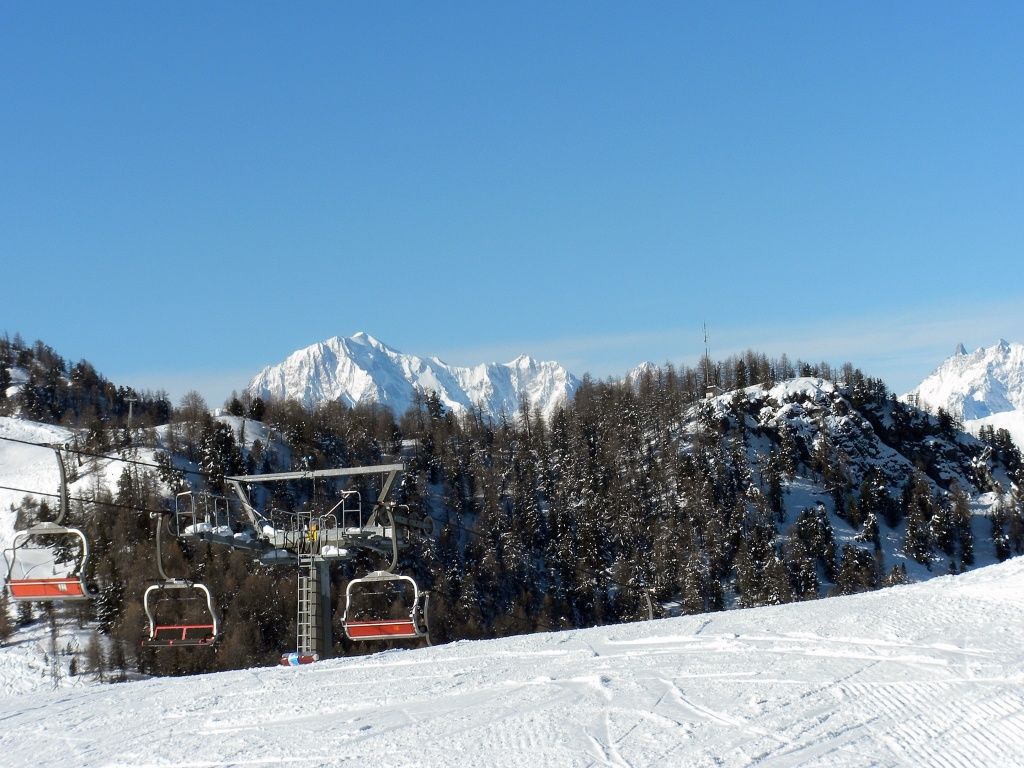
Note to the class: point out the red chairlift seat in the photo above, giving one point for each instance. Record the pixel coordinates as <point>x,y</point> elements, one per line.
<point>29,586</point>
<point>410,625</point>
<point>167,635</point>
<point>53,588</point>
<point>397,629</point>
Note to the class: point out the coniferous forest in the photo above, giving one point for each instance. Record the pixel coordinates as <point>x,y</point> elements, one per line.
<point>742,482</point>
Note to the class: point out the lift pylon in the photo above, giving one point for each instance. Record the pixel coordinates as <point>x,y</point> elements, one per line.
<point>311,540</point>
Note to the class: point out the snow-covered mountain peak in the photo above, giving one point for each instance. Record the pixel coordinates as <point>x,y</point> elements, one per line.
<point>960,349</point>
<point>978,384</point>
<point>365,339</point>
<point>636,374</point>
<point>983,387</point>
<point>363,369</point>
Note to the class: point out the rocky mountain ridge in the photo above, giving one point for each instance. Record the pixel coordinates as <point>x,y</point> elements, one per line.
<point>361,369</point>
<point>983,388</point>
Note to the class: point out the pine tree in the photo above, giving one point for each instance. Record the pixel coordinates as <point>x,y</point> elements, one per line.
<point>870,531</point>
<point>802,567</point>
<point>814,529</point>
<point>234,406</point>
<point>5,383</point>
<point>778,589</point>
<point>898,575</point>
<point>875,499</point>
<point>858,571</point>
<point>943,532</point>
<point>920,511</point>
<point>961,519</point>
<point>95,658</point>
<point>1015,522</point>
<point>1001,542</point>
<point>257,409</point>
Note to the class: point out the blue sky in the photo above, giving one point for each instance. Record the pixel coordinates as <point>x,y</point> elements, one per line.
<point>191,191</point>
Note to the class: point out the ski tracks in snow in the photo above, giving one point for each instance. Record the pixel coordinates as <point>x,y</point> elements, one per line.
<point>928,675</point>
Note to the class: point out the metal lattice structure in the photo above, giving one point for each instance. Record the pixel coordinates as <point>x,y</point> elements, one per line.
<point>310,540</point>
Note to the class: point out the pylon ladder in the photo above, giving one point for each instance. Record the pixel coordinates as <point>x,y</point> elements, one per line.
<point>308,619</point>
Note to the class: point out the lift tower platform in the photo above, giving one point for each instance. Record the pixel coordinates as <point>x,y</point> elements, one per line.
<point>311,540</point>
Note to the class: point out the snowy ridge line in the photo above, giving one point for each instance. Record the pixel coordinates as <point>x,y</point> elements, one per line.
<point>975,385</point>
<point>360,369</point>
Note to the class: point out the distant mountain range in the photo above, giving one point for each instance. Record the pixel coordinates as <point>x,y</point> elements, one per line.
<point>361,369</point>
<point>985,386</point>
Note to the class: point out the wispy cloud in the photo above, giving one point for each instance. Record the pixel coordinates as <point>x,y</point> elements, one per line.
<point>901,347</point>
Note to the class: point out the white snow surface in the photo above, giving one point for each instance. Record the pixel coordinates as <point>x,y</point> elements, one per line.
<point>1011,421</point>
<point>25,466</point>
<point>927,674</point>
<point>978,384</point>
<point>361,369</point>
<point>26,665</point>
<point>34,468</point>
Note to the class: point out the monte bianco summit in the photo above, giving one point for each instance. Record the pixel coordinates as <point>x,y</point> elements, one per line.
<point>360,369</point>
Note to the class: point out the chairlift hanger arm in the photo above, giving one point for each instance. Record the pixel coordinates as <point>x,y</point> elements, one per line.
<point>243,499</point>
<point>63,487</point>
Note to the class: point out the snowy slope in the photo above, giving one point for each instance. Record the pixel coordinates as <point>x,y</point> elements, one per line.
<point>35,469</point>
<point>1011,421</point>
<point>361,369</point>
<point>985,386</point>
<point>24,466</point>
<point>27,666</point>
<point>928,674</point>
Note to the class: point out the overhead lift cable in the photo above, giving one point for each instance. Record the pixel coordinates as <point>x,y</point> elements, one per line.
<point>113,504</point>
<point>603,575</point>
<point>122,459</point>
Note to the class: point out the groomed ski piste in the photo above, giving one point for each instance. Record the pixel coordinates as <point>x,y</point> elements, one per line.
<point>928,674</point>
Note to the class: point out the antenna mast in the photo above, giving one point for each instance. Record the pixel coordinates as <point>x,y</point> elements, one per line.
<point>710,389</point>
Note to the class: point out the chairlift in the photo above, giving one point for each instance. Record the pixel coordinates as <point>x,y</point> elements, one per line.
<point>45,577</point>
<point>47,581</point>
<point>163,603</point>
<point>180,612</point>
<point>371,613</point>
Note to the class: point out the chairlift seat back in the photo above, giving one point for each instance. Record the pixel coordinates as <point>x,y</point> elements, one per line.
<point>407,626</point>
<point>44,589</point>
<point>178,633</point>
<point>68,586</point>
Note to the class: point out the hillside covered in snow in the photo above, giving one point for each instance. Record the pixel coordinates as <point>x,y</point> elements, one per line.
<point>361,369</point>
<point>929,674</point>
<point>785,488</point>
